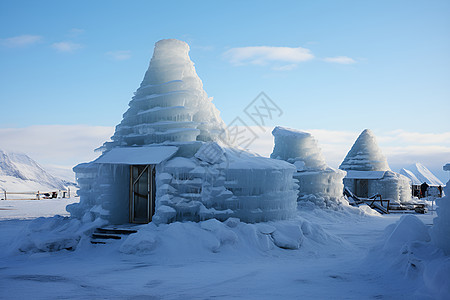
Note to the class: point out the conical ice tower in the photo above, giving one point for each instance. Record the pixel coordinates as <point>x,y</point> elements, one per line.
<point>170,105</point>
<point>365,155</point>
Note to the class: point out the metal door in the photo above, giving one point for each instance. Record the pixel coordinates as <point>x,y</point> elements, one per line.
<point>142,193</point>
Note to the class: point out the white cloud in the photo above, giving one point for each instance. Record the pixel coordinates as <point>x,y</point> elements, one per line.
<point>119,55</point>
<point>20,41</point>
<point>63,145</point>
<point>74,32</point>
<point>66,46</point>
<point>340,60</point>
<point>264,55</point>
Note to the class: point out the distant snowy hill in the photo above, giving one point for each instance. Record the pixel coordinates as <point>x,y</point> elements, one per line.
<point>419,174</point>
<point>20,173</point>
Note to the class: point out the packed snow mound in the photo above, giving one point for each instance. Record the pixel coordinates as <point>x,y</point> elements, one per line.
<point>365,155</point>
<point>20,173</point>
<point>407,251</point>
<point>297,146</point>
<point>170,105</point>
<point>317,182</point>
<point>419,174</point>
<point>441,229</point>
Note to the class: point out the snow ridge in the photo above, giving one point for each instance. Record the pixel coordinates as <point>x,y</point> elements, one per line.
<point>419,174</point>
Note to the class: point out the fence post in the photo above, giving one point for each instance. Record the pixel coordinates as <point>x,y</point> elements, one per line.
<point>5,194</point>
<point>37,196</point>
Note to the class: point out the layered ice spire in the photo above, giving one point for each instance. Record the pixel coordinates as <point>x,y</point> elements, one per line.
<point>365,155</point>
<point>170,105</point>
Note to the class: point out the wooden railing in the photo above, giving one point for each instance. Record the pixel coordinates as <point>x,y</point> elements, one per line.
<point>38,195</point>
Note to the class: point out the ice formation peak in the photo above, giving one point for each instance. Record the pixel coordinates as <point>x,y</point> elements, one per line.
<point>419,174</point>
<point>297,147</point>
<point>365,155</point>
<point>170,105</point>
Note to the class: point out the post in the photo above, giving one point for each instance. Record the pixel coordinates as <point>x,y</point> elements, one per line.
<point>37,196</point>
<point>5,194</point>
<point>68,192</point>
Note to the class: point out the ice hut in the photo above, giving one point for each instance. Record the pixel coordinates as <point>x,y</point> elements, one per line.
<point>317,182</point>
<point>368,172</point>
<point>167,160</point>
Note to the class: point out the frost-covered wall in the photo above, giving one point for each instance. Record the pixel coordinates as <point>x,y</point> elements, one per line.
<point>440,232</point>
<point>231,184</point>
<point>366,156</point>
<point>316,181</point>
<point>104,192</point>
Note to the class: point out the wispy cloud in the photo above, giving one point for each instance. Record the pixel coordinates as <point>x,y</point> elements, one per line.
<point>263,55</point>
<point>20,41</point>
<point>340,60</point>
<point>74,32</point>
<point>66,46</point>
<point>119,55</point>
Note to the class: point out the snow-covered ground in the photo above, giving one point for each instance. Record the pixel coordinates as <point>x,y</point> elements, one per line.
<point>342,255</point>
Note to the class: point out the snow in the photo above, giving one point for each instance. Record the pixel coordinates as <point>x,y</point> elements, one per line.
<point>446,167</point>
<point>365,174</point>
<point>419,174</point>
<point>365,155</point>
<point>137,155</point>
<point>441,229</point>
<point>320,254</point>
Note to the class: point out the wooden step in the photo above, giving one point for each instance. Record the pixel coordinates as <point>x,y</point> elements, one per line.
<point>105,236</point>
<point>115,231</point>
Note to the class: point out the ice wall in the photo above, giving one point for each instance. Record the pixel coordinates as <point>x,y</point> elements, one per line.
<point>316,181</point>
<point>440,232</point>
<point>226,184</point>
<point>170,105</point>
<point>365,155</point>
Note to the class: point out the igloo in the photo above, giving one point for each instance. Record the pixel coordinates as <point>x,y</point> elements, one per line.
<point>169,158</point>
<point>368,172</point>
<point>317,182</point>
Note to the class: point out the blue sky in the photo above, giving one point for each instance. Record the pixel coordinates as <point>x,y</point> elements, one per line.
<point>345,65</point>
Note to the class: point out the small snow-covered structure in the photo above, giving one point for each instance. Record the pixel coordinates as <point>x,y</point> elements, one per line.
<point>423,181</point>
<point>317,181</point>
<point>368,172</point>
<point>166,161</point>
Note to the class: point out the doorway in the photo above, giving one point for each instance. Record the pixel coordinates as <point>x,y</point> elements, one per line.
<point>362,188</point>
<point>142,193</point>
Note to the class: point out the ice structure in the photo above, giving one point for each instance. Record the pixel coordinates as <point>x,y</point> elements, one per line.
<point>173,128</point>
<point>368,172</point>
<point>440,232</point>
<point>317,182</point>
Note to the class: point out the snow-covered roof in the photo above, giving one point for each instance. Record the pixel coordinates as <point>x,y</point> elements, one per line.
<point>365,174</point>
<point>137,155</point>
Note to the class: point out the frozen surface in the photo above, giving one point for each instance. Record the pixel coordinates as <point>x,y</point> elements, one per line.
<point>137,155</point>
<point>365,155</point>
<point>446,167</point>
<point>365,174</point>
<point>316,181</point>
<point>419,174</point>
<point>320,254</point>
